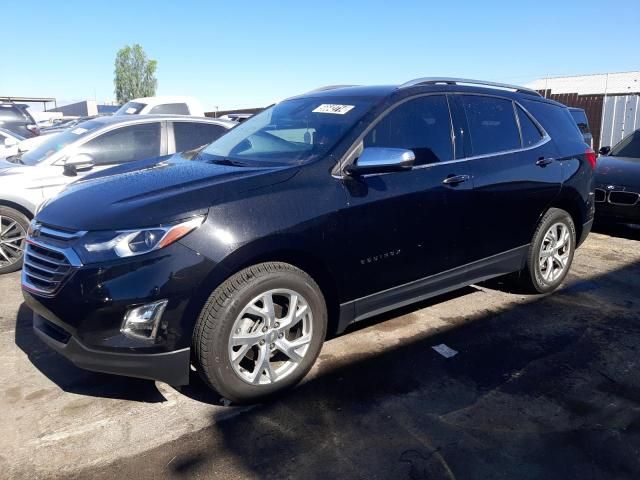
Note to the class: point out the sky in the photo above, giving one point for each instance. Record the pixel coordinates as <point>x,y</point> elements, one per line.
<point>239,54</point>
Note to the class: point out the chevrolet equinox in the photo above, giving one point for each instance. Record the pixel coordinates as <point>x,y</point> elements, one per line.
<point>323,210</point>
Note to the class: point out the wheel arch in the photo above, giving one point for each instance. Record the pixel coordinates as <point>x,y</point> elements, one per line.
<point>268,250</point>
<point>16,206</point>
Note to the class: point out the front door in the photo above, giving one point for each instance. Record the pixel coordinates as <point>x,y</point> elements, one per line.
<point>404,226</point>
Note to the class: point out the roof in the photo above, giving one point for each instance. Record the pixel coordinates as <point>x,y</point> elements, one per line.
<point>596,84</point>
<point>113,119</point>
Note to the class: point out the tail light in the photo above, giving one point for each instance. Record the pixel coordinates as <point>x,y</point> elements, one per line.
<point>591,157</point>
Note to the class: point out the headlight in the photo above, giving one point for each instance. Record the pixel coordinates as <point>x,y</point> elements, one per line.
<point>101,246</point>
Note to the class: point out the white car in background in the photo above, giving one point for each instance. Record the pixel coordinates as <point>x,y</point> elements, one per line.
<point>9,142</point>
<point>165,105</point>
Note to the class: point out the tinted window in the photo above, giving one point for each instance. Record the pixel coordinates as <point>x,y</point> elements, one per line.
<point>422,125</point>
<point>581,120</point>
<point>530,132</point>
<point>135,142</point>
<point>559,124</point>
<point>171,109</point>
<point>628,147</point>
<point>492,124</point>
<point>190,135</point>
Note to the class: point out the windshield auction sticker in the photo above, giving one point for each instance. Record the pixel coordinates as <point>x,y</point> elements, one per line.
<point>79,131</point>
<point>333,108</point>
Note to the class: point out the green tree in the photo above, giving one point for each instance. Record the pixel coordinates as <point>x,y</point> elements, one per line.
<point>134,74</point>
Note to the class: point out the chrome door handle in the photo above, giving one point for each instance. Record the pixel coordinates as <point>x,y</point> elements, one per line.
<point>456,179</point>
<point>543,162</point>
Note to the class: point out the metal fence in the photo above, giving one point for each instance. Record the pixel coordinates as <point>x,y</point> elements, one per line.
<point>620,118</point>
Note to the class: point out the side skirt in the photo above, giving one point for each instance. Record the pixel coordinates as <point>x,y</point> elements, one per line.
<point>424,288</point>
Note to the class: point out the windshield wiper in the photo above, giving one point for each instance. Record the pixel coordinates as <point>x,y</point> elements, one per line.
<point>17,158</point>
<point>226,161</point>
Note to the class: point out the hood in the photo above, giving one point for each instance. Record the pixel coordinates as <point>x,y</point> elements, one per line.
<point>153,192</point>
<point>619,171</point>
<point>9,167</point>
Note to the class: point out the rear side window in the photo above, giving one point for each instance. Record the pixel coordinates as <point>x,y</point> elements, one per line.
<point>171,109</point>
<point>125,144</point>
<point>529,131</point>
<point>559,124</point>
<point>190,135</point>
<point>581,120</point>
<point>422,125</point>
<point>492,124</point>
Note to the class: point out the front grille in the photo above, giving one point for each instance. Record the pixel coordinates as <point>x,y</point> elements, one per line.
<point>48,259</point>
<point>44,268</point>
<point>601,195</point>
<point>623,198</point>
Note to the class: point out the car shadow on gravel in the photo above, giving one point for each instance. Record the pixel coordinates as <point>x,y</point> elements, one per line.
<point>73,379</point>
<point>630,232</point>
<point>548,389</point>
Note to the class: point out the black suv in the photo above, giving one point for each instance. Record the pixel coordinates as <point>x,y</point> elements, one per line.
<point>16,118</point>
<point>320,211</point>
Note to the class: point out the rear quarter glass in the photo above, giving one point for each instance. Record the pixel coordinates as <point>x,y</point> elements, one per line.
<point>559,124</point>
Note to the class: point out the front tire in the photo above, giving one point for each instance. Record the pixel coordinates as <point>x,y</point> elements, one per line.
<point>260,332</point>
<point>550,253</point>
<point>13,233</point>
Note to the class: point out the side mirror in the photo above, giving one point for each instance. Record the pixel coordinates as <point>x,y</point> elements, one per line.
<point>78,163</point>
<point>381,160</point>
<point>604,150</point>
<point>10,142</point>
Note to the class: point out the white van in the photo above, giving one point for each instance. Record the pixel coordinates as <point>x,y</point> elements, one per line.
<point>165,105</point>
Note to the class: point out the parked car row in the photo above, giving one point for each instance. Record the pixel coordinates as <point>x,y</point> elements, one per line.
<point>320,211</point>
<point>27,179</point>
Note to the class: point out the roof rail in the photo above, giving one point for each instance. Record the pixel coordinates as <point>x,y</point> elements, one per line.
<point>466,81</point>
<point>329,87</point>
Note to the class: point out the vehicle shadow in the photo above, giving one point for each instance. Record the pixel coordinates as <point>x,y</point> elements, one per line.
<point>545,388</point>
<point>630,232</point>
<point>73,379</point>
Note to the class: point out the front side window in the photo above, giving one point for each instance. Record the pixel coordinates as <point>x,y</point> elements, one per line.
<point>422,125</point>
<point>492,124</point>
<point>628,146</point>
<point>125,144</point>
<point>190,135</point>
<point>530,132</point>
<point>171,109</point>
<point>292,132</point>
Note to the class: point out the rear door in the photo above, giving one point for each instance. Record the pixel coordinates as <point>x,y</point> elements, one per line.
<point>514,171</point>
<point>404,226</point>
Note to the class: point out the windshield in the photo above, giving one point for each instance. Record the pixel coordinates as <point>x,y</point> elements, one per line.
<point>130,108</point>
<point>57,141</point>
<point>627,147</point>
<point>292,132</point>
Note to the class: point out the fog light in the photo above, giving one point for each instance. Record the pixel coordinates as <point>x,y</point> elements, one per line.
<point>142,322</point>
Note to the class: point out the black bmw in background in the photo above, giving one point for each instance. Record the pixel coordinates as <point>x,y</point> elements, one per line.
<point>618,182</point>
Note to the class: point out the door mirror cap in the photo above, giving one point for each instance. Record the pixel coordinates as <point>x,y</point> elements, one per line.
<point>78,163</point>
<point>604,150</point>
<point>381,160</point>
<point>10,142</point>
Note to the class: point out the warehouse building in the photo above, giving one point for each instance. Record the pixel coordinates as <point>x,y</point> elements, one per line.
<point>611,101</point>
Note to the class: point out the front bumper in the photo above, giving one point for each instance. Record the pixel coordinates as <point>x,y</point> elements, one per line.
<point>82,318</point>
<point>170,367</point>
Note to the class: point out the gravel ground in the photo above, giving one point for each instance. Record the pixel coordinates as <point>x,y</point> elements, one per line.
<point>541,387</point>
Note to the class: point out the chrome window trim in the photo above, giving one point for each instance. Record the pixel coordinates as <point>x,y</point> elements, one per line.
<point>347,159</point>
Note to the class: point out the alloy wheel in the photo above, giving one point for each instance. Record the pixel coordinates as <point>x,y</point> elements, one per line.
<point>555,251</point>
<point>12,241</point>
<point>270,337</point>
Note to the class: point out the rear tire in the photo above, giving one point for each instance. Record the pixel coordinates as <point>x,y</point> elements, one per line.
<point>550,253</point>
<point>260,332</point>
<point>13,232</point>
